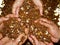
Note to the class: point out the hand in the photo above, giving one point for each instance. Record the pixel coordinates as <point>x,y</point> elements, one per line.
<point>52,29</point>
<point>34,41</point>
<point>6,18</point>
<point>7,41</point>
<point>16,6</point>
<point>39,4</point>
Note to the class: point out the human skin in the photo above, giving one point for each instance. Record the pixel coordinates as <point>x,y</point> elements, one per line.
<point>39,4</point>
<point>52,29</point>
<point>18,3</point>
<point>51,26</point>
<point>6,40</point>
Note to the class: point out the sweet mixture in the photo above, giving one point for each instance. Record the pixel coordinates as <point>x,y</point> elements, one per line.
<point>28,14</point>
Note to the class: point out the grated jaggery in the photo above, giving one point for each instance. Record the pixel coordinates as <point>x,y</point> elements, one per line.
<point>28,14</point>
<point>12,28</point>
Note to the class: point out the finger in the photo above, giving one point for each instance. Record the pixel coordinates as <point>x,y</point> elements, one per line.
<point>3,19</point>
<point>1,36</point>
<point>45,24</point>
<point>41,43</point>
<point>26,31</point>
<point>46,20</point>
<point>4,40</point>
<point>24,38</point>
<point>9,15</point>
<point>52,32</point>
<point>54,39</point>
<point>48,43</point>
<point>50,29</point>
<point>39,4</point>
<point>20,39</point>
<point>10,42</point>
<point>31,40</point>
<point>35,40</point>
<point>17,11</point>
<point>1,26</point>
<point>16,6</point>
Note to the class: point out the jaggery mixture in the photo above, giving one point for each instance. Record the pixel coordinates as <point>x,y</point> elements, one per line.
<point>12,28</point>
<point>28,14</point>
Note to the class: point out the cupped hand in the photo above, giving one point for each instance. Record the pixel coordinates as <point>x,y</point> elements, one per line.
<point>17,4</point>
<point>52,28</point>
<point>7,41</point>
<point>35,41</point>
<point>39,4</point>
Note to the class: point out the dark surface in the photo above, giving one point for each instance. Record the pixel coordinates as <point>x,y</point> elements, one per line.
<point>57,43</point>
<point>27,42</point>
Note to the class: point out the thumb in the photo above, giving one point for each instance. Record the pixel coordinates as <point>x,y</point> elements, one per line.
<point>21,39</point>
